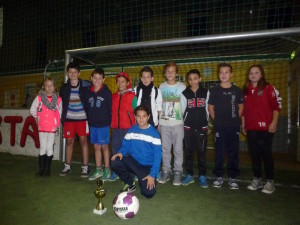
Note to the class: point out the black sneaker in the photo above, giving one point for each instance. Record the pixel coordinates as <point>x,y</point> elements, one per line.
<point>129,188</point>
<point>85,171</point>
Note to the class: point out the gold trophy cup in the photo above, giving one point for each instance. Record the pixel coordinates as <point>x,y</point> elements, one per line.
<point>100,194</point>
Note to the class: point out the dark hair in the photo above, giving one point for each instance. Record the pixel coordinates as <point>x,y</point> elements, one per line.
<point>146,69</point>
<point>261,83</point>
<point>193,71</point>
<point>73,65</point>
<point>170,64</point>
<point>99,71</point>
<point>142,108</point>
<point>224,65</point>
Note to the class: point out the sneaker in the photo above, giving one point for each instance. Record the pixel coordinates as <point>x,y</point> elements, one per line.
<point>106,174</point>
<point>255,184</point>
<point>129,188</point>
<point>158,175</point>
<point>233,185</point>
<point>202,181</point>
<point>218,182</point>
<point>66,170</point>
<point>96,174</point>
<point>187,180</point>
<point>269,187</point>
<point>85,171</point>
<point>177,178</point>
<point>113,177</point>
<point>164,177</point>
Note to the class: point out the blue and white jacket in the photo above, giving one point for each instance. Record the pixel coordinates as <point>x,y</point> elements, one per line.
<point>144,145</point>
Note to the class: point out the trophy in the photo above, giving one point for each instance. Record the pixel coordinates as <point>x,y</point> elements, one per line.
<point>100,193</point>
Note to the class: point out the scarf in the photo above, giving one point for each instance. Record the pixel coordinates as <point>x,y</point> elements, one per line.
<point>49,105</point>
<point>146,90</point>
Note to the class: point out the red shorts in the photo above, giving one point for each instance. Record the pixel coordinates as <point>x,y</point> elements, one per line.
<point>81,128</point>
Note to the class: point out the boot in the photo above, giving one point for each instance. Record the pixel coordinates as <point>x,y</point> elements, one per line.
<point>48,166</point>
<point>41,170</point>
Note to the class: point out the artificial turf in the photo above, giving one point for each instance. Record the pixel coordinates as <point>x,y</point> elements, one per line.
<point>26,199</point>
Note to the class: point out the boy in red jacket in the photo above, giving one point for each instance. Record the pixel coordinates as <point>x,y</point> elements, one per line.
<point>123,104</point>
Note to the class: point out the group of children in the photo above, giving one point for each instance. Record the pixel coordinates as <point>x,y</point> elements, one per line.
<point>148,122</point>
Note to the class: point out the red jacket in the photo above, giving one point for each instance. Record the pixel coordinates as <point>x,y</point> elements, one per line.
<point>122,111</point>
<point>259,107</point>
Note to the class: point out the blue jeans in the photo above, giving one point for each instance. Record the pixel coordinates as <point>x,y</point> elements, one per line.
<point>117,139</point>
<point>123,168</point>
<point>227,143</point>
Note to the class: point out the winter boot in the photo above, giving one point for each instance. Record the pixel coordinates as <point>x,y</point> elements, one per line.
<point>41,170</point>
<point>48,166</point>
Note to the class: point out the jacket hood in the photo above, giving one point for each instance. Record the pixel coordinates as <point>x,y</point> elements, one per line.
<point>123,74</point>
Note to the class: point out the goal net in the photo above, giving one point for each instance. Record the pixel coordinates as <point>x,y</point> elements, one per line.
<point>271,48</point>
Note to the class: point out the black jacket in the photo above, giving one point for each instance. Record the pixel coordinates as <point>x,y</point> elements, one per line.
<point>99,107</point>
<point>195,115</point>
<point>65,93</point>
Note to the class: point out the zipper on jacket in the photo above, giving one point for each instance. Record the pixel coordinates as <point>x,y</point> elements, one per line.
<point>119,112</point>
<point>129,118</point>
<point>185,117</point>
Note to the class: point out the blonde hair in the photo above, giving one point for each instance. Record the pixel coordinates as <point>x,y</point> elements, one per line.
<point>54,84</point>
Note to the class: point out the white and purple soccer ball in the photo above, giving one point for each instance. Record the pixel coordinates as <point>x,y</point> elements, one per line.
<point>126,205</point>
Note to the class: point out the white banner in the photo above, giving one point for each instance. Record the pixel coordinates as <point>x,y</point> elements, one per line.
<point>19,134</point>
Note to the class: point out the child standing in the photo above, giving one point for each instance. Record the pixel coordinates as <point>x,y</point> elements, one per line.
<point>123,105</point>
<point>171,124</point>
<point>46,108</point>
<point>225,106</point>
<point>259,122</point>
<point>74,117</point>
<point>149,95</point>
<point>140,154</point>
<point>195,115</point>
<point>98,102</point>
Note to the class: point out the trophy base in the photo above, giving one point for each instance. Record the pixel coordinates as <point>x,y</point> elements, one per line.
<point>100,212</point>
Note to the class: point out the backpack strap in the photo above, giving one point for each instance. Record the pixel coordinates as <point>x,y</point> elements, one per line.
<point>138,88</point>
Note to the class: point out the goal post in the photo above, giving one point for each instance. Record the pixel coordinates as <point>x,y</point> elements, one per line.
<point>271,48</point>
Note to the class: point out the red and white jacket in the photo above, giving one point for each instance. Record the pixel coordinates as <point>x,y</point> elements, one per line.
<point>259,107</point>
<point>48,120</point>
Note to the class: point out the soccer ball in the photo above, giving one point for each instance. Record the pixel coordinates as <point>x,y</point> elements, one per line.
<point>126,205</point>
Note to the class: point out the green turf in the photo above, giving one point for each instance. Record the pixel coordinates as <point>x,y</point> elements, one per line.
<point>26,199</point>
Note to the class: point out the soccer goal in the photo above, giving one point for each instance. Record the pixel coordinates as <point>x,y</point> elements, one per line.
<point>274,49</point>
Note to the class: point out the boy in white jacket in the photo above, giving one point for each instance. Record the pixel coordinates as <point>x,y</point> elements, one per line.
<point>148,95</point>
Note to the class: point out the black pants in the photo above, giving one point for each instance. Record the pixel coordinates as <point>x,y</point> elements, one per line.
<point>260,147</point>
<point>194,140</point>
<point>227,143</point>
<point>123,168</point>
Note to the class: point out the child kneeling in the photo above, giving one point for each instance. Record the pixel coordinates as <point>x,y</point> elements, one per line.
<point>140,154</point>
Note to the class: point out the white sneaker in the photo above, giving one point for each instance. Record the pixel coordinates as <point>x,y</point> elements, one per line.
<point>269,187</point>
<point>255,184</point>
<point>233,185</point>
<point>218,182</point>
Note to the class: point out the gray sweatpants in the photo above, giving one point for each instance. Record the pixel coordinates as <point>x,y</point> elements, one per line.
<point>172,135</point>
